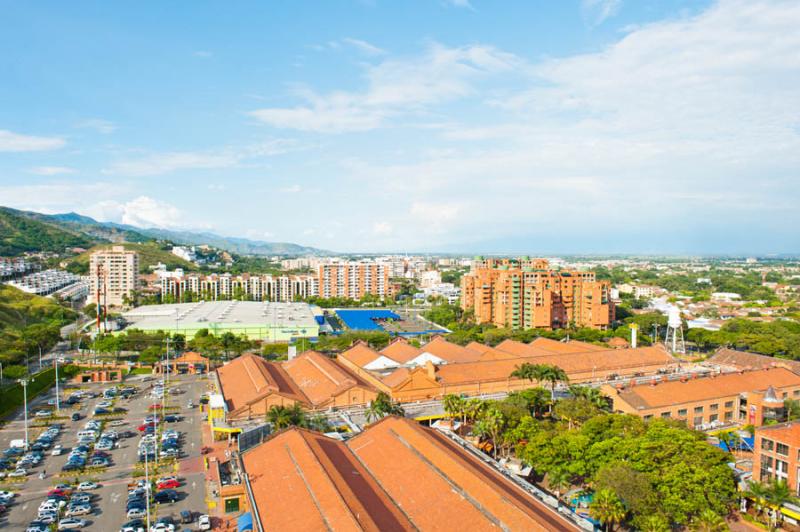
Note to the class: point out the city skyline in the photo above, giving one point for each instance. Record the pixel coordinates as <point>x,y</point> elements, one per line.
<point>600,126</point>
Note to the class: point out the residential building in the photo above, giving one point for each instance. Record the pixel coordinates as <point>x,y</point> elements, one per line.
<point>46,282</point>
<point>776,454</point>
<point>396,475</point>
<point>282,288</point>
<point>354,279</point>
<point>749,397</point>
<point>113,274</point>
<point>526,294</point>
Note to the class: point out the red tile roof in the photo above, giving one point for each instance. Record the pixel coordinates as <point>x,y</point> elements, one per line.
<point>396,475</point>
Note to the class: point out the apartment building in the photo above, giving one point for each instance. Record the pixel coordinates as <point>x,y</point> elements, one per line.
<point>282,288</point>
<point>354,279</point>
<point>776,454</point>
<point>526,293</point>
<point>750,397</point>
<point>113,274</point>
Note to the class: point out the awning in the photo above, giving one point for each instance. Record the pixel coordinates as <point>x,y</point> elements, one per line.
<point>245,522</point>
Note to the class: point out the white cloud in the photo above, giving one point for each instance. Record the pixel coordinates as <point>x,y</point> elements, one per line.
<point>142,211</point>
<point>595,12</point>
<point>16,142</point>
<point>382,228</point>
<point>167,162</point>
<point>51,170</point>
<point>363,46</point>
<point>292,189</point>
<point>435,216</point>
<point>215,187</point>
<point>99,125</point>
<point>394,86</point>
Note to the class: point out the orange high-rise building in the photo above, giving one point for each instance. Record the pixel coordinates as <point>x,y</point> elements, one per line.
<point>527,294</point>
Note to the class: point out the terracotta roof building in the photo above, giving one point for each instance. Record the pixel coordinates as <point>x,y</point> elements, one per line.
<point>746,397</point>
<point>478,369</point>
<point>252,385</point>
<point>776,454</point>
<point>744,360</point>
<point>396,475</point>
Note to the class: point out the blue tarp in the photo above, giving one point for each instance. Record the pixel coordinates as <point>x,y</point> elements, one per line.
<point>245,522</point>
<point>365,320</point>
<point>746,444</point>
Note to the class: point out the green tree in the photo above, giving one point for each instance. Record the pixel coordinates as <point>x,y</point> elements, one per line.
<point>575,411</point>
<point>607,508</point>
<point>382,406</point>
<point>653,523</point>
<point>454,405</point>
<point>708,521</point>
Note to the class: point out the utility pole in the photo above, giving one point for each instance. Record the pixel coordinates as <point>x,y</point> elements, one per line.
<point>58,401</point>
<point>40,356</point>
<point>24,383</point>
<point>147,488</point>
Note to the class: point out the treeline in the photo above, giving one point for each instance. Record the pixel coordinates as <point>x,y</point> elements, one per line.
<point>574,445</point>
<point>779,338</point>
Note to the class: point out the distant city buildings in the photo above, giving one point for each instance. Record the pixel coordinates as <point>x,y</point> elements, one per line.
<point>177,286</point>
<point>113,275</point>
<point>186,253</point>
<point>14,267</point>
<point>526,294</point>
<point>354,279</point>
<point>45,282</point>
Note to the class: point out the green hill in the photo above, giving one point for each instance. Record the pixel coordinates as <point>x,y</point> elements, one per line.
<point>150,253</point>
<point>20,233</point>
<point>27,321</point>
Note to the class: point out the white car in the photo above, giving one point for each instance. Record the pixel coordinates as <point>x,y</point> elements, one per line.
<point>8,494</point>
<point>137,513</point>
<point>118,423</point>
<point>81,509</point>
<point>162,527</point>
<point>17,473</point>
<point>71,523</point>
<point>47,518</point>
<point>83,486</point>
<point>57,450</point>
<point>204,523</point>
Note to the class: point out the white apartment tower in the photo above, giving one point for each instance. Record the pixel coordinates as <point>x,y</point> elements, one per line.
<point>113,274</point>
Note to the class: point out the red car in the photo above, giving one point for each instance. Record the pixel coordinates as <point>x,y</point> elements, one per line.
<point>59,492</point>
<point>142,428</point>
<point>170,484</point>
<point>154,407</point>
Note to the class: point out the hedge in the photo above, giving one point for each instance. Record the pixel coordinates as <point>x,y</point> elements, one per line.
<point>11,397</point>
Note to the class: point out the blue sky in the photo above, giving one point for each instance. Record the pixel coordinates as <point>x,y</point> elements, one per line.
<point>421,125</point>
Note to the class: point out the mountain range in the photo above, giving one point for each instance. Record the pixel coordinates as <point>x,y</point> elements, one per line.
<point>22,231</point>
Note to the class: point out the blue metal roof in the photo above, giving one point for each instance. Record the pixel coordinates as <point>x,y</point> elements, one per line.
<point>245,522</point>
<point>365,319</point>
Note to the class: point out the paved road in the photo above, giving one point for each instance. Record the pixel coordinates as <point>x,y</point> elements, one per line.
<point>109,502</point>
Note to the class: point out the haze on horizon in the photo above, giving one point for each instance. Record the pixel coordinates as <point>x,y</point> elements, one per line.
<point>593,126</point>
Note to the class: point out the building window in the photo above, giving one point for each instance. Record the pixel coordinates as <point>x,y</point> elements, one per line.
<point>728,404</point>
<point>666,415</point>
<point>648,417</point>
<point>682,412</point>
<point>728,416</point>
<point>698,410</point>
<point>714,407</point>
<point>782,449</point>
<point>713,417</point>
<point>767,445</point>
<point>698,420</point>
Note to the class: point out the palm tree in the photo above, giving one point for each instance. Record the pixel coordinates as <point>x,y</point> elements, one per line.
<point>279,417</point>
<point>559,480</point>
<point>607,508</point>
<point>730,439</point>
<point>382,406</point>
<point>708,521</point>
<point>552,374</point>
<point>758,492</point>
<point>453,405</point>
<point>525,371</point>
<point>654,523</point>
<point>593,395</point>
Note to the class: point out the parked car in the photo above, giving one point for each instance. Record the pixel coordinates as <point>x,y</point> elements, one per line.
<point>78,509</point>
<point>135,525</point>
<point>57,450</point>
<point>17,473</point>
<point>168,484</point>
<point>186,516</point>
<point>84,486</point>
<point>166,496</point>
<point>76,416</point>
<point>204,522</point>
<point>70,523</point>
<point>139,512</point>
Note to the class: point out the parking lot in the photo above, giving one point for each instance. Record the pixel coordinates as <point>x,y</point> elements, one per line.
<point>108,511</point>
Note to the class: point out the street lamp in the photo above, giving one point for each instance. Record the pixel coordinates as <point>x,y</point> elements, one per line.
<point>24,383</point>
<point>58,402</point>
